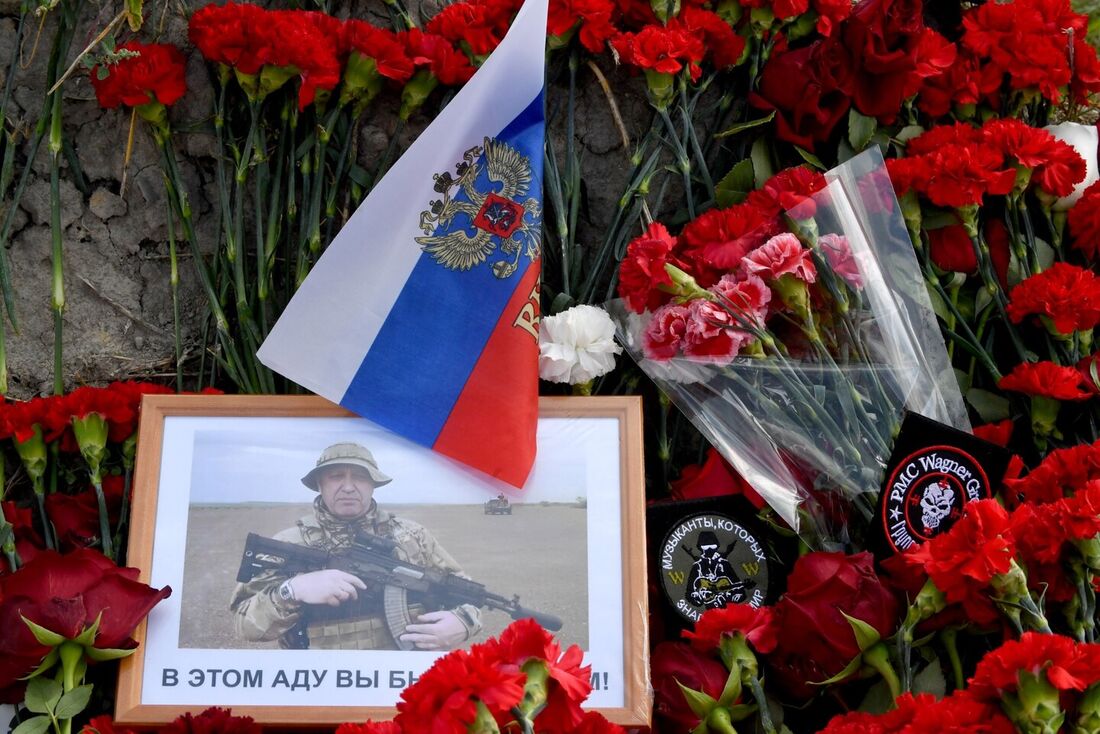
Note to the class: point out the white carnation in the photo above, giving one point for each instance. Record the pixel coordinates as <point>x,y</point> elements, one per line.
<point>577,345</point>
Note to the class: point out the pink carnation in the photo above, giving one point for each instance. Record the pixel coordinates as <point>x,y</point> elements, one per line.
<point>748,297</point>
<point>779,256</point>
<point>665,333</point>
<point>712,332</point>
<point>839,254</point>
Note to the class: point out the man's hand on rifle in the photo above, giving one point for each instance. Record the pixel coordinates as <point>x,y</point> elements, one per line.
<point>327,586</point>
<point>436,631</point>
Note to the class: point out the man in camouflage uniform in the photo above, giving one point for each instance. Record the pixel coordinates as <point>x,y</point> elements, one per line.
<point>334,609</point>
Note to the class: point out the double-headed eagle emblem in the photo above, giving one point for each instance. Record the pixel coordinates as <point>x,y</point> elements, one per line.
<point>469,228</point>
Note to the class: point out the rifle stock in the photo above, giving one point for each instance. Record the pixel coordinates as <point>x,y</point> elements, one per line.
<point>371,559</point>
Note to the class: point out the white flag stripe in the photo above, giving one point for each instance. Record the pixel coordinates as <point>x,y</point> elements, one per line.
<point>331,322</point>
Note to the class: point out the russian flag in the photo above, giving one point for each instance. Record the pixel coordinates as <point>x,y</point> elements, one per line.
<point>422,314</point>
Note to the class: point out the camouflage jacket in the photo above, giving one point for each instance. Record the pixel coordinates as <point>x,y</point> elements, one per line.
<point>261,614</point>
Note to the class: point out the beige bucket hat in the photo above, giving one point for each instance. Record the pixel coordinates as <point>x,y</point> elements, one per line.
<point>346,453</point>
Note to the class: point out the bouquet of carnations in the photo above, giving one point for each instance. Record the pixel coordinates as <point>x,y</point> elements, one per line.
<point>793,329</point>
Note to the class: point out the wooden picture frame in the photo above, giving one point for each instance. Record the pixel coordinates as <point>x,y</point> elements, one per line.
<point>211,468</point>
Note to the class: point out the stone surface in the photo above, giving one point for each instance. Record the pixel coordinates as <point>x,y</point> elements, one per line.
<point>105,204</point>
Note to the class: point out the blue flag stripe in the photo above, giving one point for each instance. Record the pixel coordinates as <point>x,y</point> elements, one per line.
<point>419,363</point>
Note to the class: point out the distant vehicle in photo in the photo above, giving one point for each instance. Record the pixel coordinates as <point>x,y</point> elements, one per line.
<point>499,505</point>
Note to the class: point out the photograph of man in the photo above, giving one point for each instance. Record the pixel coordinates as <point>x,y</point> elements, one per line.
<point>333,609</point>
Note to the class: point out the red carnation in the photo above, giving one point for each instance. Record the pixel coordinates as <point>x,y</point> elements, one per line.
<point>155,74</point>
<point>436,53</point>
<point>1059,475</point>
<point>591,19</point>
<point>756,625</point>
<point>939,136</point>
<point>960,175</point>
<point>569,682</point>
<point>721,237</point>
<point>643,269</point>
<point>664,49</point>
<point>724,46</point>
<point>1067,665</point>
<point>998,433</point>
<point>790,190</point>
<point>388,51</point>
<point>1046,379</point>
<point>897,720</point>
<point>1065,294</point>
<point>713,333</point>
<point>830,13</point>
<point>962,561</point>
<point>370,727</point>
<point>444,700</point>
<point>213,721</point>
<point>1084,222</point>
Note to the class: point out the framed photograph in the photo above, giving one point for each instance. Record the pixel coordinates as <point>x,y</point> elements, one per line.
<point>300,540</point>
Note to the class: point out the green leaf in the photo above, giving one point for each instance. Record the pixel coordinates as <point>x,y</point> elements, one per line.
<point>982,300</point>
<point>33,725</point>
<point>735,185</point>
<point>990,406</point>
<point>878,699</point>
<point>700,703</point>
<point>860,129</point>
<point>1044,253</point>
<point>848,671</point>
<point>866,635</point>
<point>762,167</point>
<point>732,690</point>
<point>810,158</point>
<point>741,126</point>
<point>908,132</point>
<point>742,711</point>
<point>939,305</point>
<point>43,635</point>
<point>359,175</point>
<point>87,637</point>
<point>47,663</point>
<point>73,702</point>
<point>930,680</point>
<point>42,695</point>
<point>101,654</point>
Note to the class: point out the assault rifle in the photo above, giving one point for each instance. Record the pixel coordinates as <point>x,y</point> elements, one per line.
<point>371,558</point>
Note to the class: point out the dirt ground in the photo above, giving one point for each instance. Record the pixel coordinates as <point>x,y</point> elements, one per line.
<point>539,552</point>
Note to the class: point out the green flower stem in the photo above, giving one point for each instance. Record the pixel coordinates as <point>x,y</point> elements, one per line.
<point>57,280</point>
<point>344,162</point>
<point>177,197</point>
<point>762,705</point>
<point>993,286</point>
<point>686,111</point>
<point>644,165</point>
<point>72,655</point>
<point>7,534</point>
<point>320,151</point>
<point>105,535</point>
<point>950,638</point>
<point>664,448</point>
<point>291,206</point>
<point>683,163</point>
<point>878,657</point>
<point>174,284</point>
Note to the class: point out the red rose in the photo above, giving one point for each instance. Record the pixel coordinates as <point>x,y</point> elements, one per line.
<point>156,74</point>
<point>676,664</point>
<point>66,594</point>
<point>756,625</point>
<point>951,249</point>
<point>809,89</point>
<point>713,478</point>
<point>883,37</point>
<point>816,641</point>
<point>643,268</point>
<point>76,516</point>
<point>212,721</point>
